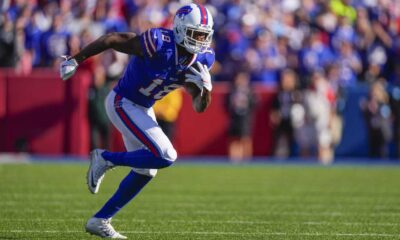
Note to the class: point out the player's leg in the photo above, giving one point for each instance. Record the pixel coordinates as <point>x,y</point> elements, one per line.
<point>139,177</point>
<point>129,187</point>
<point>138,124</point>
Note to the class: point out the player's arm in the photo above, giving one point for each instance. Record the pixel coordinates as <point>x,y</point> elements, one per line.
<point>200,99</point>
<point>126,42</point>
<point>199,87</point>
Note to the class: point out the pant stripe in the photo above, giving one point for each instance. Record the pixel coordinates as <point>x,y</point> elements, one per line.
<point>133,128</point>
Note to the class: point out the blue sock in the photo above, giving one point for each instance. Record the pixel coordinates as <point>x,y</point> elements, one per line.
<point>128,189</point>
<point>137,159</point>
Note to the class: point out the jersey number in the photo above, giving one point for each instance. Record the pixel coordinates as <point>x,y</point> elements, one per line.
<point>165,36</point>
<point>148,91</point>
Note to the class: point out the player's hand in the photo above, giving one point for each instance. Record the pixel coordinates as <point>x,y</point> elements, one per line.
<point>201,77</point>
<point>68,67</point>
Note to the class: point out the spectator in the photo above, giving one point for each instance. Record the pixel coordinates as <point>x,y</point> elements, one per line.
<point>319,101</point>
<point>264,36</point>
<point>395,106</point>
<point>99,124</point>
<point>315,55</point>
<point>337,99</point>
<point>352,41</point>
<point>281,115</point>
<point>167,112</point>
<point>240,104</point>
<point>54,43</point>
<point>349,64</point>
<point>343,8</point>
<point>311,119</point>
<point>270,62</point>
<point>344,33</point>
<point>378,117</point>
<point>8,55</point>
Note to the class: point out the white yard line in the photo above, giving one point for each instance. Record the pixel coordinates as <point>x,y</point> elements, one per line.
<point>358,206</point>
<point>222,212</point>
<point>255,222</point>
<point>220,233</point>
<point>350,197</point>
<point>261,213</point>
<point>227,208</point>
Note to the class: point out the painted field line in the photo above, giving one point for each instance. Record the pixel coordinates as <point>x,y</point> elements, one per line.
<point>220,212</point>
<point>255,222</point>
<point>378,204</point>
<point>220,233</point>
<point>318,206</point>
<point>351,197</point>
<point>261,213</point>
<point>219,207</point>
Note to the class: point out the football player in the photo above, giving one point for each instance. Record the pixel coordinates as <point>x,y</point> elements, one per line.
<point>162,60</point>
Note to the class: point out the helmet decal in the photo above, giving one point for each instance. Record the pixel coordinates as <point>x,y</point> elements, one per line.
<point>184,11</point>
<point>203,12</point>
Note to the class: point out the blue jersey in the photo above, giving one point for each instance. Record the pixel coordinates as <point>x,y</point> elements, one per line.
<point>159,71</point>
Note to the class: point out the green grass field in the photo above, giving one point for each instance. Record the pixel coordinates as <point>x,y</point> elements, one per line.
<point>189,201</point>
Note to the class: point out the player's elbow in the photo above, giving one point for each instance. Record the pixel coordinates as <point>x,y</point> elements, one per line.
<point>200,106</point>
<point>201,103</point>
<point>199,109</point>
<point>110,39</point>
<point>115,39</point>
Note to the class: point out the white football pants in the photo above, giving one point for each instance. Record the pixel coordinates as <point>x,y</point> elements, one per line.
<point>139,129</point>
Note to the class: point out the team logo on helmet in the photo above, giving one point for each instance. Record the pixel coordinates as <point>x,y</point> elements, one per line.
<point>184,11</point>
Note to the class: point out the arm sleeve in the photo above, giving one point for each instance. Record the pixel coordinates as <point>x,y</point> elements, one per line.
<point>151,42</point>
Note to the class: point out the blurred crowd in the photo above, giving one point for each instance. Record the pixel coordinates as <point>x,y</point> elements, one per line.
<point>310,50</point>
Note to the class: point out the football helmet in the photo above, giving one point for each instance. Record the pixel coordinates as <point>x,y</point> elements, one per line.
<point>193,25</point>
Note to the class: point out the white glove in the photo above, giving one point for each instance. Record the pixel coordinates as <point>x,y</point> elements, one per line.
<point>201,79</point>
<point>68,67</point>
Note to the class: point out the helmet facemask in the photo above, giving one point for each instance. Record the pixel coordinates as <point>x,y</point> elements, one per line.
<point>197,39</point>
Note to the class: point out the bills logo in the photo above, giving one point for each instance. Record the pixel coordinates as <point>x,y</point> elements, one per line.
<point>183,11</point>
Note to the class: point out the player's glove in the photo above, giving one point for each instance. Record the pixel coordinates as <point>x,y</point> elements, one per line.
<point>201,77</point>
<point>68,67</point>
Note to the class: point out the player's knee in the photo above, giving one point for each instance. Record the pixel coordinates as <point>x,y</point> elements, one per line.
<point>152,172</point>
<point>145,171</point>
<point>169,155</point>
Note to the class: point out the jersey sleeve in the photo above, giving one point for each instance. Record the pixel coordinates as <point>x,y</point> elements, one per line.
<point>151,42</point>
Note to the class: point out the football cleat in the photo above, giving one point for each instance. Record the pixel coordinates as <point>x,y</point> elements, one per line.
<point>102,227</point>
<point>97,169</point>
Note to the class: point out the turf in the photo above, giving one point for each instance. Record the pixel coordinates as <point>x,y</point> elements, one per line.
<point>51,201</point>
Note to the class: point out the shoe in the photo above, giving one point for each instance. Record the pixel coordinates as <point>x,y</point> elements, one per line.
<point>98,167</point>
<point>102,227</point>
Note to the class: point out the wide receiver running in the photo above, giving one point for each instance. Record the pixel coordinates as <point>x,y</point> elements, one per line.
<point>162,61</point>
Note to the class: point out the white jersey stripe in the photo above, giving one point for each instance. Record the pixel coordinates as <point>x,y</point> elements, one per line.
<point>151,42</point>
<point>147,47</point>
